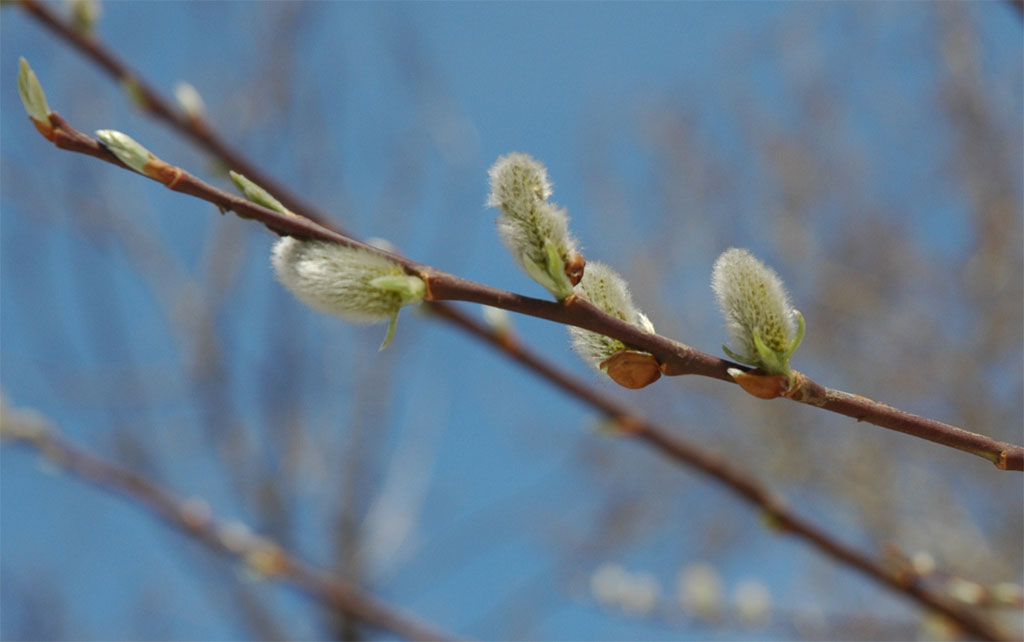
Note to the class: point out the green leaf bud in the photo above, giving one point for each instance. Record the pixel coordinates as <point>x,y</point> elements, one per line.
<point>352,283</point>
<point>604,288</point>
<point>31,92</point>
<point>257,194</point>
<point>763,327</point>
<point>127,150</point>
<point>536,231</point>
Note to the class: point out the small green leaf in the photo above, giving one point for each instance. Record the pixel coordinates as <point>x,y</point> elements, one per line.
<point>391,331</point>
<point>127,150</point>
<point>411,289</point>
<point>739,357</point>
<point>800,329</point>
<point>257,194</point>
<point>31,92</point>
<point>556,270</point>
<point>539,274</point>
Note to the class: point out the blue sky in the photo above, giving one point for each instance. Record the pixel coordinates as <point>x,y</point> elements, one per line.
<point>388,116</point>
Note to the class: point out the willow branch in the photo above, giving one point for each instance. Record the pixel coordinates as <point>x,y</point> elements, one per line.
<point>443,286</point>
<point>676,358</point>
<point>259,554</point>
<point>193,127</point>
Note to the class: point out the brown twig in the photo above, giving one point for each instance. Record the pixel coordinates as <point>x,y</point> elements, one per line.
<point>676,358</point>
<point>192,127</point>
<point>259,554</point>
<point>576,312</point>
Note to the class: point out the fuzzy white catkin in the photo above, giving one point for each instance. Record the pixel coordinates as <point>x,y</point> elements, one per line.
<point>520,190</point>
<point>603,287</point>
<point>336,279</point>
<point>517,181</point>
<point>752,298</point>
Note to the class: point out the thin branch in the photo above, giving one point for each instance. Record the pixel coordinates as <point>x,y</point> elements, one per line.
<point>675,358</point>
<point>149,100</point>
<point>576,312</point>
<point>259,554</point>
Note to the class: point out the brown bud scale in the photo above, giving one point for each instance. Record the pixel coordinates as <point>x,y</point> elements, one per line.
<point>632,369</point>
<point>574,268</point>
<point>763,386</point>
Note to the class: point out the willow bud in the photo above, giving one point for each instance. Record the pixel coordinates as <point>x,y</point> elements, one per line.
<point>763,327</point>
<point>257,194</point>
<point>126,148</point>
<point>536,231</point>
<point>32,96</point>
<point>604,288</point>
<point>352,283</point>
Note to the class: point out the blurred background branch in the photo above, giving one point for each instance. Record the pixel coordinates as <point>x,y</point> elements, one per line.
<point>261,557</point>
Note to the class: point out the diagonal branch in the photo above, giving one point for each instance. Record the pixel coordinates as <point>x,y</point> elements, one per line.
<point>574,311</point>
<point>675,358</point>
<point>259,554</point>
<point>149,100</point>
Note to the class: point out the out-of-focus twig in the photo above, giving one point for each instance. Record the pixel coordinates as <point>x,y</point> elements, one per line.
<point>193,517</point>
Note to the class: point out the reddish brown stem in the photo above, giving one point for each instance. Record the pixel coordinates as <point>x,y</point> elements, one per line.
<point>191,127</point>
<point>678,357</point>
<point>675,358</point>
<point>735,479</point>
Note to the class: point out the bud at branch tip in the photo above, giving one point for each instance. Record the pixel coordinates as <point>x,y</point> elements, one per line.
<point>31,93</point>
